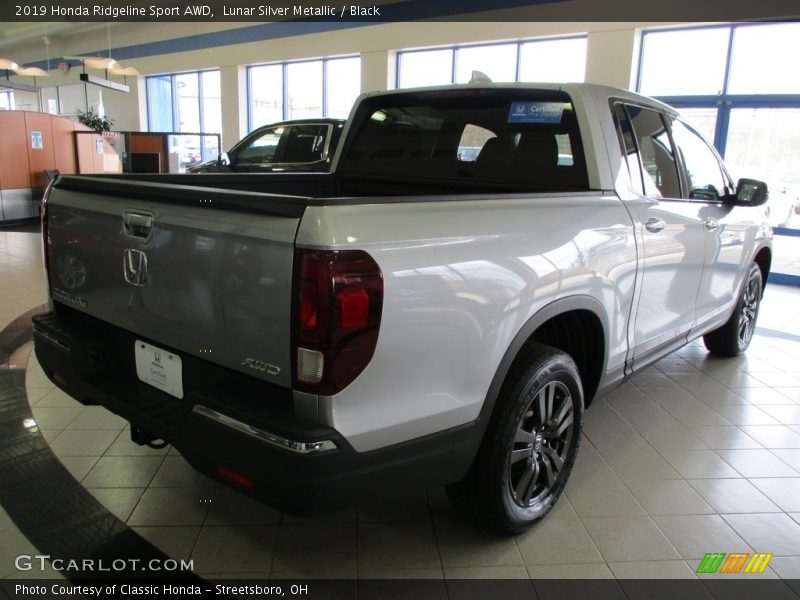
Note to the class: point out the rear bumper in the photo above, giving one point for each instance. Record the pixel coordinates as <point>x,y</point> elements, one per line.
<point>228,422</point>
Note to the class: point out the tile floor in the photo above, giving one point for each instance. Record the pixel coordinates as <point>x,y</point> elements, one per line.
<point>692,456</point>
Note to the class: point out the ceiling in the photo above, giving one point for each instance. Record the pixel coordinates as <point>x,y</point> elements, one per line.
<point>19,33</point>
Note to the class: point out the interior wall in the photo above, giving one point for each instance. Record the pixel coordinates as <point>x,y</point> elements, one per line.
<point>23,162</point>
<point>611,55</point>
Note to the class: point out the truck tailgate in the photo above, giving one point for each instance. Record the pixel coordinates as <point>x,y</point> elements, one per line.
<point>203,271</point>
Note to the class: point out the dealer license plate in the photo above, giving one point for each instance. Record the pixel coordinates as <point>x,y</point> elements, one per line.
<point>160,368</point>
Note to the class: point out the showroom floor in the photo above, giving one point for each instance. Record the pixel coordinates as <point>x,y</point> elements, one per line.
<point>692,456</point>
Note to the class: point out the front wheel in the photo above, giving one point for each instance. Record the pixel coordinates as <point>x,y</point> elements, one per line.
<point>530,445</point>
<point>733,338</point>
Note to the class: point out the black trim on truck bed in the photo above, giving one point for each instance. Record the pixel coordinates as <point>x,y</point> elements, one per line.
<point>94,363</point>
<point>264,192</point>
<point>312,185</point>
<point>221,198</point>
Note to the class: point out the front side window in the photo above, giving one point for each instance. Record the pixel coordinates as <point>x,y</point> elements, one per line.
<point>659,172</point>
<point>700,167</point>
<point>262,149</point>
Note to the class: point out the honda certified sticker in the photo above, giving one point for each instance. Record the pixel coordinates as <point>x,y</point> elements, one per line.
<point>535,112</point>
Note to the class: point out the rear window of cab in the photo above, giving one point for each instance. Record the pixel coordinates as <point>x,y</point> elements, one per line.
<point>523,139</point>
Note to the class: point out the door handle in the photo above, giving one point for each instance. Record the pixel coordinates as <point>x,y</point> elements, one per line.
<point>655,225</point>
<point>137,224</point>
<point>711,224</point>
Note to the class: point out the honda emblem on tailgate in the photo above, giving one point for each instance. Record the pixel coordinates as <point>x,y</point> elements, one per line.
<point>135,267</point>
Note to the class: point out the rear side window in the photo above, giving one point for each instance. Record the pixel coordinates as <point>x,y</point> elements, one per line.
<point>659,171</point>
<point>523,140</point>
<point>630,152</point>
<point>305,144</point>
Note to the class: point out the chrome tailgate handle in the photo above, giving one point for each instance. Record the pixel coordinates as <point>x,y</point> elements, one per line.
<point>137,224</point>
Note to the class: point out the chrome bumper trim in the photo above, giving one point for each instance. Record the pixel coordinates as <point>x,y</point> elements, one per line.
<point>265,436</point>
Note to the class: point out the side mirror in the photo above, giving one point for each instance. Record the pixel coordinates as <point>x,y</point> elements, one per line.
<point>751,192</point>
<point>224,159</point>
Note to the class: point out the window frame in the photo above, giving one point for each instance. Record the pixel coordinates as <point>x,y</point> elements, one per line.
<point>625,103</point>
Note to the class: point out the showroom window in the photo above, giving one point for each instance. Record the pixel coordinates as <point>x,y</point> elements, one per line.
<point>733,84</point>
<point>184,102</point>
<point>304,89</point>
<point>6,100</point>
<point>549,60</point>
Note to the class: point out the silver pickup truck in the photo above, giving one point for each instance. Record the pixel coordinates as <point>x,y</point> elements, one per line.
<point>482,262</point>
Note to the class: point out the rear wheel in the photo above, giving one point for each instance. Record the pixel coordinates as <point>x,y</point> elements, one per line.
<point>530,445</point>
<point>735,335</point>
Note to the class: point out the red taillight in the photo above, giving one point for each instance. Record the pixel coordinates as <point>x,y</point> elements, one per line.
<point>308,311</point>
<point>339,299</point>
<point>353,305</point>
<point>313,288</point>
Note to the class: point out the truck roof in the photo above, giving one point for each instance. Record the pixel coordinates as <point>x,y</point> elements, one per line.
<point>573,89</point>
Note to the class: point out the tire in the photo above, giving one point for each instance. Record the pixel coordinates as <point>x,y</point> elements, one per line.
<point>733,338</point>
<point>525,460</point>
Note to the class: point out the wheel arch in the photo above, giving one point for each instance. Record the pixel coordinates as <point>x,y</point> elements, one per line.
<point>560,324</point>
<point>763,259</point>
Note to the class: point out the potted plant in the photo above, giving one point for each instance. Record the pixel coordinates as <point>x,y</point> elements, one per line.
<point>94,121</point>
